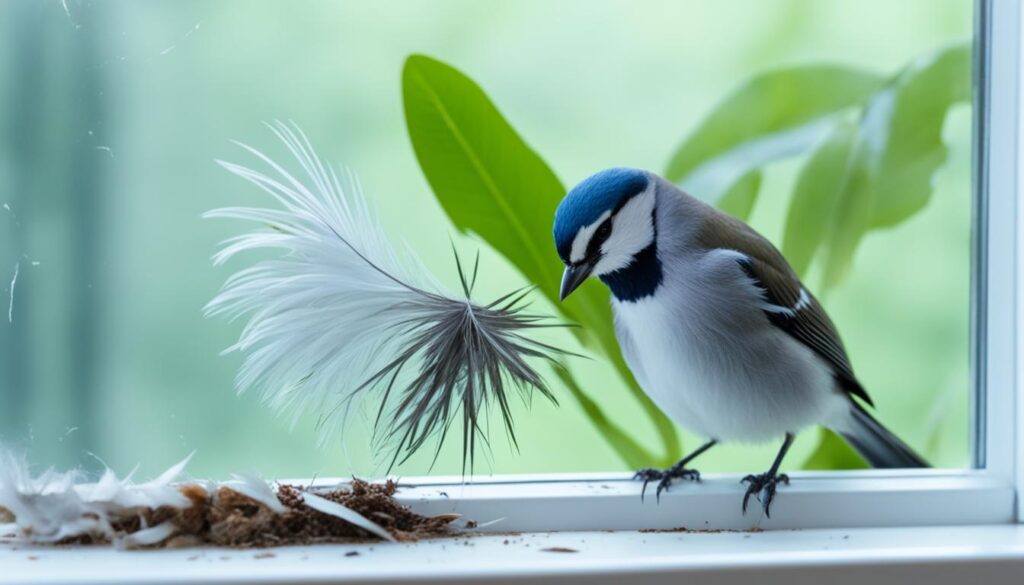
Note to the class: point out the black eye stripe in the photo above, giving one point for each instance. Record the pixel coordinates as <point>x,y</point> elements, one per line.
<point>600,235</point>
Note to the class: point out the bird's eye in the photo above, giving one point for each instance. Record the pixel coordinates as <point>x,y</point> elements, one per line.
<point>604,229</point>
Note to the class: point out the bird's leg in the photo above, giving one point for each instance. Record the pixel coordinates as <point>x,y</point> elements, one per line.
<point>764,485</point>
<point>677,471</point>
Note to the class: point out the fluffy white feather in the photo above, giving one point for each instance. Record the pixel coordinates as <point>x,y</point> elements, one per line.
<point>322,316</point>
<point>341,314</point>
<point>53,506</point>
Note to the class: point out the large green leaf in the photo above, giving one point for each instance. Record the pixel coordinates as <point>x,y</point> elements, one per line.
<point>815,197</point>
<point>833,453</point>
<point>489,181</point>
<point>625,446</point>
<point>773,116</point>
<point>878,173</point>
<point>924,93</point>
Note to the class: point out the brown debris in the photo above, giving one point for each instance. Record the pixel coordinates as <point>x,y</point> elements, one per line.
<point>559,549</point>
<point>699,530</point>
<point>232,519</point>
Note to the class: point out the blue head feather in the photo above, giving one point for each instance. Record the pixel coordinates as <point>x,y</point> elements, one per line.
<point>604,191</point>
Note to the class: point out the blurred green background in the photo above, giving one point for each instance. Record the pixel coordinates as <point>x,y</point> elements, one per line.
<point>111,114</point>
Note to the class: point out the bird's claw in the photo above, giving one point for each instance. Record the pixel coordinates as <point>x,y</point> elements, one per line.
<point>664,478</point>
<point>763,487</point>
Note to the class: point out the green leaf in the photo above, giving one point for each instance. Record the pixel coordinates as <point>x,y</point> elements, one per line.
<point>489,181</point>
<point>629,450</point>
<point>739,200</point>
<point>897,148</point>
<point>816,196</point>
<point>775,115</point>
<point>923,95</point>
<point>832,452</point>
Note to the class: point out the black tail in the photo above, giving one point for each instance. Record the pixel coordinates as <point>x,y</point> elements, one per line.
<point>877,444</point>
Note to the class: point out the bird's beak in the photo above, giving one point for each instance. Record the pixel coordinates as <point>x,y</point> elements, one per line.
<point>573,278</point>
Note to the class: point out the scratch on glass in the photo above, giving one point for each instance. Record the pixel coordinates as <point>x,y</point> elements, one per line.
<point>107,150</point>
<point>67,11</point>
<point>68,432</point>
<point>14,281</point>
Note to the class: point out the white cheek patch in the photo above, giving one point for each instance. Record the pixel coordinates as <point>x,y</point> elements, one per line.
<point>632,231</point>
<point>582,239</point>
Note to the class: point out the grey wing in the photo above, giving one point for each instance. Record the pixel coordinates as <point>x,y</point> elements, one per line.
<point>788,305</point>
<point>794,310</point>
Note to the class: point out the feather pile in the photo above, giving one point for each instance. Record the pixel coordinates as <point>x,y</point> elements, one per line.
<point>54,506</point>
<point>342,318</point>
<point>57,508</point>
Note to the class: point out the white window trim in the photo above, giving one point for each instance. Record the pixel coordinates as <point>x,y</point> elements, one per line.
<point>873,498</point>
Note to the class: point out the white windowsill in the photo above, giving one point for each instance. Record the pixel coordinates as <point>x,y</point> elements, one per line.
<point>935,555</point>
<point>813,500</point>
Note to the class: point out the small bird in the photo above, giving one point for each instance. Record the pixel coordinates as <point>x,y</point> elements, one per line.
<point>715,325</point>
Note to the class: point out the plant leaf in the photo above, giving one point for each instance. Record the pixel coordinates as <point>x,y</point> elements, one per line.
<point>739,200</point>
<point>832,452</point>
<point>815,197</point>
<point>775,115</point>
<point>924,94</point>
<point>629,450</point>
<point>897,150</point>
<point>490,182</point>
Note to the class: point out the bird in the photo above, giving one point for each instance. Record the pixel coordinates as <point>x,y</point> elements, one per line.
<point>715,325</point>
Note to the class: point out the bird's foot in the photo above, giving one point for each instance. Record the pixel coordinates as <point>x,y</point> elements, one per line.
<point>763,487</point>
<point>664,477</point>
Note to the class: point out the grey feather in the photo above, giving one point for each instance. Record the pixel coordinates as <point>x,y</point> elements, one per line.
<point>877,444</point>
<point>808,322</point>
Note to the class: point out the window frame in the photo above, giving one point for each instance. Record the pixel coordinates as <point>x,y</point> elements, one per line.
<point>988,493</point>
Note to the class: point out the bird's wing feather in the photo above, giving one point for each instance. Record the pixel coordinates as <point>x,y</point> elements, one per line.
<point>788,305</point>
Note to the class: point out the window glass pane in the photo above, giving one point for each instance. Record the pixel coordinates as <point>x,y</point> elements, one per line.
<point>111,116</point>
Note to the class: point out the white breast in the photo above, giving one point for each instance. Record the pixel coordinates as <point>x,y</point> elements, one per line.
<point>718,369</point>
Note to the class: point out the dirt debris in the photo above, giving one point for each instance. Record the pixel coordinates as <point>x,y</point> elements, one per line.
<point>229,518</point>
<point>681,529</point>
<point>559,549</point>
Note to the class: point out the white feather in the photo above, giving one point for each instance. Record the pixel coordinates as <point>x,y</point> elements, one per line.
<point>341,313</point>
<point>347,514</point>
<point>51,507</point>
<point>632,231</point>
<point>146,536</point>
<point>253,486</point>
<point>322,316</point>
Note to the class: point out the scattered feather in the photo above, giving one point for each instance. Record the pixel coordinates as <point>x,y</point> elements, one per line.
<point>347,514</point>
<point>145,537</point>
<point>254,487</point>
<point>53,506</point>
<point>341,314</point>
